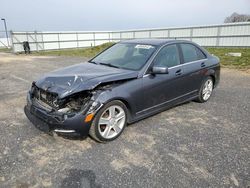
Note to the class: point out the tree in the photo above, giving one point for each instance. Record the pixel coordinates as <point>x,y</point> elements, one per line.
<point>235,17</point>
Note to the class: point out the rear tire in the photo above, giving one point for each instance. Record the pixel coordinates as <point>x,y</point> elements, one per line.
<point>206,90</point>
<point>109,122</point>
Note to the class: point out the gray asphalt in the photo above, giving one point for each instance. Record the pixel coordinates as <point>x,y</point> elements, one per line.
<point>191,145</point>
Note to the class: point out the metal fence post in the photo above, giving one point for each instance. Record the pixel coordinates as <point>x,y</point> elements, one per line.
<point>12,42</point>
<point>191,34</point>
<point>77,41</point>
<point>36,41</point>
<point>27,37</point>
<point>43,41</point>
<point>218,36</point>
<point>94,37</point>
<point>58,38</point>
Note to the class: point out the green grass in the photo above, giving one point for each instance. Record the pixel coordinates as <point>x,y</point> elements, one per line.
<point>5,49</point>
<point>83,52</point>
<point>242,62</point>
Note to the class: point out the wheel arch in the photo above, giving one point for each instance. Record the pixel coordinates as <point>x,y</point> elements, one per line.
<point>213,78</point>
<point>126,103</point>
<point>211,73</point>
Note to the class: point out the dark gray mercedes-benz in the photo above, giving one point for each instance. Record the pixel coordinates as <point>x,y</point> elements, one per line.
<point>129,81</point>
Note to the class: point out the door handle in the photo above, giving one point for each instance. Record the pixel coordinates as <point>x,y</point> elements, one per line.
<point>178,72</point>
<point>203,64</point>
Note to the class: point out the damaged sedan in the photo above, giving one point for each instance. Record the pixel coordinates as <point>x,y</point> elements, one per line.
<point>125,83</point>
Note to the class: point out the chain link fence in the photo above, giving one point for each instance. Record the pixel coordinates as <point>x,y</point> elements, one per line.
<point>4,41</point>
<point>224,35</point>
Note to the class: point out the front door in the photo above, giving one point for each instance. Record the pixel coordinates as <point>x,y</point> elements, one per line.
<point>160,90</point>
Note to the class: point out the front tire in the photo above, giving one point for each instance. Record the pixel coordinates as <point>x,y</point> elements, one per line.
<point>206,90</point>
<point>109,122</point>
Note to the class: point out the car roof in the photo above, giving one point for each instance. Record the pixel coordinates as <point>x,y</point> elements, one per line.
<point>154,42</point>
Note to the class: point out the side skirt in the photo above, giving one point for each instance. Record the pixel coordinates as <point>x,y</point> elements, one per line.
<point>146,115</point>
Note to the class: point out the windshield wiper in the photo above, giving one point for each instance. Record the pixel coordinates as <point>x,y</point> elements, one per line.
<point>110,65</point>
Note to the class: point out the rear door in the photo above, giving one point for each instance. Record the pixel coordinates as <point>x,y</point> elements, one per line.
<point>194,64</point>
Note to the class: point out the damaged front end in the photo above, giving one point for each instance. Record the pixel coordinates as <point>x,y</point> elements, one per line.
<point>72,114</point>
<point>69,105</point>
<point>66,100</point>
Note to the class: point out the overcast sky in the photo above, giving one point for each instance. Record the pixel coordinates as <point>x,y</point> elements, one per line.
<point>69,15</point>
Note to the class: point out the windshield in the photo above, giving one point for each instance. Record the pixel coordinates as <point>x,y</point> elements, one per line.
<point>125,56</point>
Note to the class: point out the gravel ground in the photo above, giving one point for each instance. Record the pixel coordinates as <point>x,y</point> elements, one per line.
<point>192,145</point>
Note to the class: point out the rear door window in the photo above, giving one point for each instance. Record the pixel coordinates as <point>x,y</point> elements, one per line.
<point>191,53</point>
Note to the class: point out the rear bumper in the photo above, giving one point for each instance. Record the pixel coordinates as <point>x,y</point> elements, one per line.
<point>53,122</point>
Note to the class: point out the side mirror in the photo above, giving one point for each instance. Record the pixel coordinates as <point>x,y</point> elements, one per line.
<point>159,70</point>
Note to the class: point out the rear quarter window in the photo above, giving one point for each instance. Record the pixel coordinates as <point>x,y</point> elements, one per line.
<point>191,53</point>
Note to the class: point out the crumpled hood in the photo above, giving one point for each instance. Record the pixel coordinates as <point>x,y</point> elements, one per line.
<point>80,77</point>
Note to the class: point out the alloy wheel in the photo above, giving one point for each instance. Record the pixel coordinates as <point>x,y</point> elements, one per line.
<point>207,89</point>
<point>111,122</point>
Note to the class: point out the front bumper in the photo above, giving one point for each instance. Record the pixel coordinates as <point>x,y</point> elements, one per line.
<point>54,122</point>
